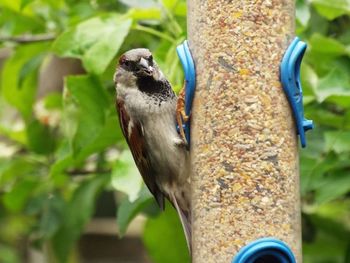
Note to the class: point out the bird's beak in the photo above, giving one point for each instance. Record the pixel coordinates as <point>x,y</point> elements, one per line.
<point>145,67</point>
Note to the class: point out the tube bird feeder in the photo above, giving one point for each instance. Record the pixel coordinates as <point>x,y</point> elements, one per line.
<point>244,148</point>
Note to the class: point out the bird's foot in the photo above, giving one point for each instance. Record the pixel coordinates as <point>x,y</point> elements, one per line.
<point>179,142</point>
<point>181,117</point>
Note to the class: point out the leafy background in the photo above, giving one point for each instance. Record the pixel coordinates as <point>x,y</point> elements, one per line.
<point>60,149</point>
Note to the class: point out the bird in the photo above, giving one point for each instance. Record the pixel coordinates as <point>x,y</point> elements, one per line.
<point>149,113</point>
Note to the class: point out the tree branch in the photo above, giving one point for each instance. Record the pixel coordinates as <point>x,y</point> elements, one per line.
<point>24,39</point>
<point>87,172</point>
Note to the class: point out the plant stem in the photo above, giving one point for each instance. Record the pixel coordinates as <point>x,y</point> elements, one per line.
<point>154,32</point>
<point>177,28</point>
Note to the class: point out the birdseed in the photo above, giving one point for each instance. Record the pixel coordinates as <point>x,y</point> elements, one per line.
<point>245,178</point>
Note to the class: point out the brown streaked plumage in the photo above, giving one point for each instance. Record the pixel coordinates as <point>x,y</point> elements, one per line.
<point>146,106</point>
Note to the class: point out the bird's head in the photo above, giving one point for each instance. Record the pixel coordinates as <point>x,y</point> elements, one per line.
<point>138,63</point>
<point>137,70</point>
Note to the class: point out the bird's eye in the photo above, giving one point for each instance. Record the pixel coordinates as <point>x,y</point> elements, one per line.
<point>122,60</point>
<point>150,60</point>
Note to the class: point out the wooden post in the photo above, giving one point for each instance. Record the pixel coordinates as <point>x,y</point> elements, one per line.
<point>245,182</point>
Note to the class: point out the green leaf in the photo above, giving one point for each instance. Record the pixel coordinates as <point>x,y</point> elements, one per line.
<point>318,24</point>
<point>24,3</point>
<point>31,66</point>
<point>316,177</point>
<point>78,213</point>
<point>336,210</point>
<point>12,4</point>
<point>95,41</point>
<point>302,12</point>
<point>126,177</point>
<point>164,238</point>
<point>324,117</point>
<point>309,81</point>
<point>18,136</point>
<point>90,116</point>
<point>331,240</point>
<point>14,169</point>
<point>64,159</point>
<point>332,9</point>
<point>52,215</point>
<point>19,77</point>
<point>49,208</point>
<point>19,194</point>
<point>327,46</point>
<point>334,85</point>
<point>181,9</point>
<point>140,4</point>
<point>128,210</point>
<point>338,141</point>
<point>307,167</point>
<point>53,101</point>
<point>16,22</point>
<point>36,131</point>
<point>145,14</point>
<point>8,254</point>
<point>176,7</point>
<point>108,136</point>
<point>334,186</point>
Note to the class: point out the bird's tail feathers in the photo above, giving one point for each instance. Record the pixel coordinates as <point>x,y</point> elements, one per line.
<point>185,219</point>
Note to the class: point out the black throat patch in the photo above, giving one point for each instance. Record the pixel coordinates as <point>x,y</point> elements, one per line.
<point>160,89</point>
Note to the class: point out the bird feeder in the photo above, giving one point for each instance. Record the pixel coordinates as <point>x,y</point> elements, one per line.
<point>244,126</point>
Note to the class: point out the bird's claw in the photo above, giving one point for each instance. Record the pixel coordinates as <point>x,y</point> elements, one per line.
<point>181,116</point>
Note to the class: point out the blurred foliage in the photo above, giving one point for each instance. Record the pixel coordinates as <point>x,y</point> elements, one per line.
<point>60,149</point>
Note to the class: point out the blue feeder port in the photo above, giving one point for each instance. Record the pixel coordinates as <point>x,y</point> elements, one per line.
<point>290,78</point>
<point>265,250</point>
<point>188,65</point>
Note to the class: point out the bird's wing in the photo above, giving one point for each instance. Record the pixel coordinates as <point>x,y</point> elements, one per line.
<point>133,133</point>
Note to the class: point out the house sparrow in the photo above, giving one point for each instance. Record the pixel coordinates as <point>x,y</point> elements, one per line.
<point>147,109</point>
